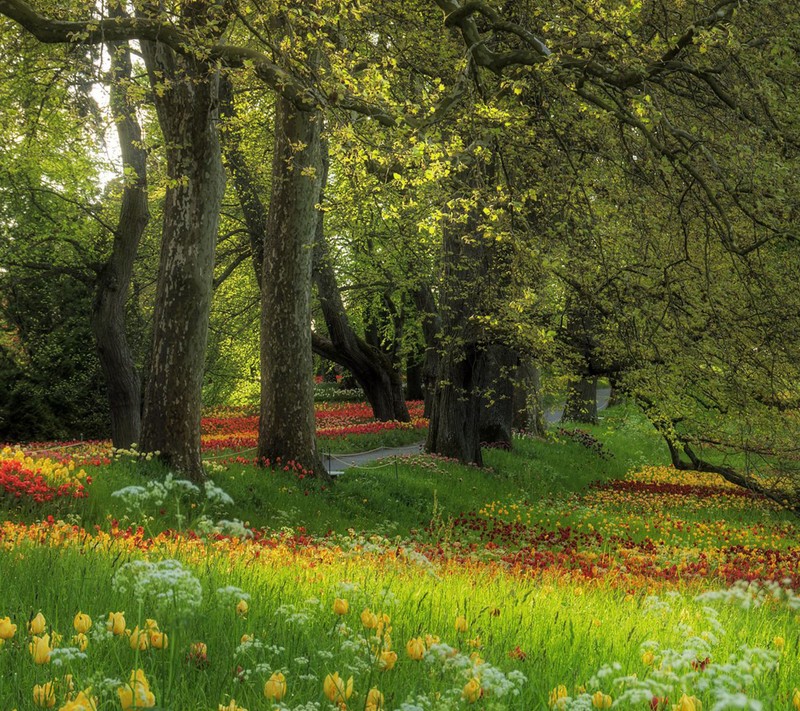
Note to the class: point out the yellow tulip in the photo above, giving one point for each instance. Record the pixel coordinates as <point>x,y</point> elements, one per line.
<point>779,642</point>
<point>151,625</point>
<point>246,638</point>
<point>82,623</point>
<point>241,608</point>
<point>158,639</point>
<point>688,703</point>
<point>387,660</point>
<point>369,619</point>
<point>461,624</point>
<point>37,624</point>
<point>84,701</point>
<point>139,639</point>
<point>335,688</point>
<point>431,639</point>
<point>341,607</point>
<point>415,648</point>
<point>374,700</point>
<point>7,630</point>
<point>232,706</point>
<point>796,699</point>
<point>136,693</point>
<point>556,696</point>
<point>44,695</point>
<point>275,688</point>
<point>472,690</point>
<point>116,623</point>
<point>81,641</point>
<point>39,648</point>
<point>647,658</point>
<point>601,700</point>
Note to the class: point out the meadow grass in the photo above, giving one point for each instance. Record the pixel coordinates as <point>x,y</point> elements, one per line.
<point>560,563</point>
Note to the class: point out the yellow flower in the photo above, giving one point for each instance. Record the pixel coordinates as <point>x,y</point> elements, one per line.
<point>116,623</point>
<point>335,688</point>
<point>246,638</point>
<point>369,619</point>
<point>387,660</point>
<point>158,639</point>
<point>461,624</point>
<point>44,695</point>
<point>556,696</point>
<point>688,703</point>
<point>231,707</point>
<point>341,607</point>
<point>796,699</point>
<point>84,701</point>
<point>647,658</point>
<point>472,690</point>
<point>374,700</point>
<point>241,608</point>
<point>136,694</point>
<point>198,649</point>
<point>7,630</point>
<point>81,641</point>
<point>275,688</point>
<point>151,625</point>
<point>415,648</point>
<point>601,700</point>
<point>779,642</point>
<point>37,624</point>
<point>39,648</point>
<point>82,623</point>
<point>139,639</point>
<point>430,640</point>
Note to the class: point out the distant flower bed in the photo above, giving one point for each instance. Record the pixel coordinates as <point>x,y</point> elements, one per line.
<point>25,479</point>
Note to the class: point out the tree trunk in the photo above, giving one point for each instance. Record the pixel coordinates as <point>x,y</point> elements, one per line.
<point>287,427</point>
<point>528,410</point>
<point>415,365</point>
<point>431,330</point>
<point>372,367</point>
<point>185,95</point>
<point>497,411</point>
<point>108,310</point>
<point>581,405</point>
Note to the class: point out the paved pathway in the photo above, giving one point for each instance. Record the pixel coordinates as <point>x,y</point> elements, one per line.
<point>337,463</point>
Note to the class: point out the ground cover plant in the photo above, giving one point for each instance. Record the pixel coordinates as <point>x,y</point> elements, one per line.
<point>558,576</point>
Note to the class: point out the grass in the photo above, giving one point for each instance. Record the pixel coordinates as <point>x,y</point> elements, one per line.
<point>567,569</point>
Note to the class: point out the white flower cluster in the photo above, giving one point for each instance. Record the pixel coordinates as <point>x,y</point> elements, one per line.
<point>66,655</point>
<point>166,584</point>
<point>216,495</point>
<point>230,595</point>
<point>747,595</point>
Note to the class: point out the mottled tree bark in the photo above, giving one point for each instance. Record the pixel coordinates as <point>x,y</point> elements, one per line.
<point>185,95</point>
<point>497,410</point>
<point>287,427</point>
<point>528,410</point>
<point>581,405</point>
<point>113,280</point>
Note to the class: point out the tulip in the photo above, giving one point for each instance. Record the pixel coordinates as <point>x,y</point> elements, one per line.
<point>431,639</point>
<point>158,639</point>
<point>116,623</point>
<point>275,688</point>
<point>81,641</point>
<point>241,608</point>
<point>688,703</point>
<point>246,638</point>
<point>796,699</point>
<point>369,619</point>
<point>374,700</point>
<point>779,642</point>
<point>601,700</point>
<point>647,658</point>
<point>556,696</point>
<point>138,639</point>
<point>387,660</point>
<point>415,648</point>
<point>7,630</point>
<point>198,649</point>
<point>44,695</point>
<point>232,706</point>
<point>37,624</point>
<point>40,650</point>
<point>472,691</point>
<point>136,693</point>
<point>151,625</point>
<point>84,701</point>
<point>82,623</point>
<point>461,624</point>
<point>335,688</point>
<point>341,607</point>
